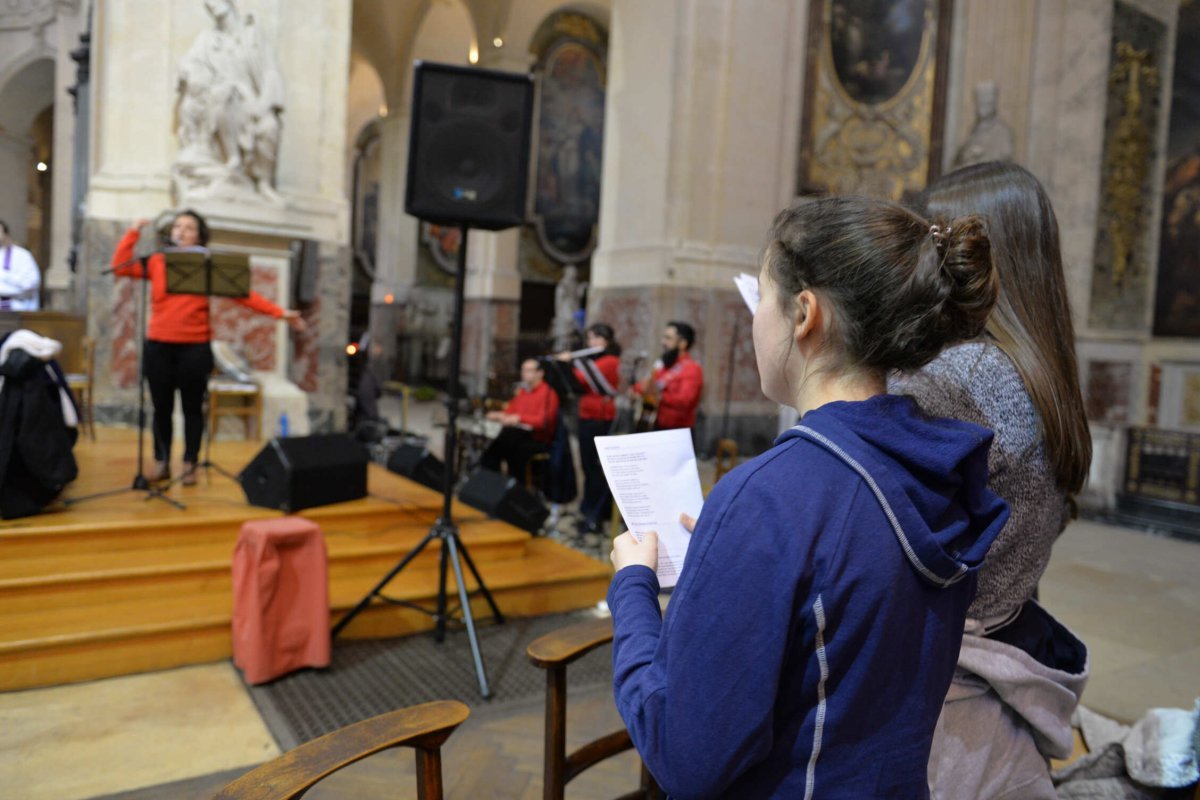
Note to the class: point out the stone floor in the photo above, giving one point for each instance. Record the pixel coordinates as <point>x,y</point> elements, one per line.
<point>1133,597</point>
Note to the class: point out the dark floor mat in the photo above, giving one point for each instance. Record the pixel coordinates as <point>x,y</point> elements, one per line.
<point>370,677</point>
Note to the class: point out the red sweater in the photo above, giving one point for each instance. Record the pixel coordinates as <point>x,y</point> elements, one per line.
<point>679,393</point>
<point>177,318</point>
<point>593,405</point>
<point>537,408</point>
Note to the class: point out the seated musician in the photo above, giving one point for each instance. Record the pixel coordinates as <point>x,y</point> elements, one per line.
<point>528,423</point>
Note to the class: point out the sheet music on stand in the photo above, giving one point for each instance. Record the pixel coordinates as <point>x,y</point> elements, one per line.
<point>561,377</point>
<point>198,270</point>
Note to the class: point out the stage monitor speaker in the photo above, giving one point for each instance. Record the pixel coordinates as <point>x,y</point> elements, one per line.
<point>502,497</point>
<point>468,146</point>
<point>305,471</point>
<point>416,463</point>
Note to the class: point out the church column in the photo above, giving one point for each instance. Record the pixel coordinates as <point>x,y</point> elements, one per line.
<point>57,280</point>
<point>396,251</point>
<point>700,128</point>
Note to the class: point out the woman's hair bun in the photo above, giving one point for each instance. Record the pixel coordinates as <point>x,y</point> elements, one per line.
<point>972,281</point>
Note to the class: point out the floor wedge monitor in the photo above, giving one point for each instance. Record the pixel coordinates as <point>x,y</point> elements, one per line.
<point>503,497</point>
<point>416,463</point>
<point>300,472</point>
<point>468,146</point>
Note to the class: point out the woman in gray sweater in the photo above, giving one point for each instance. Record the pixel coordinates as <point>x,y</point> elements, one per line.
<point>1020,671</point>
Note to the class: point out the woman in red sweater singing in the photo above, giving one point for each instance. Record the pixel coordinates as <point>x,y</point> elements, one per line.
<point>599,377</point>
<point>178,355</point>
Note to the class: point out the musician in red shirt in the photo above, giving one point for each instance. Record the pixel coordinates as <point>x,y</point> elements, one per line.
<point>677,380</point>
<point>528,423</point>
<point>178,354</point>
<point>599,376</point>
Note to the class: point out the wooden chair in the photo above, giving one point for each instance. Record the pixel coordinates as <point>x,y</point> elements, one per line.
<point>727,455</point>
<point>247,404</point>
<point>425,728</point>
<point>553,652</point>
<point>81,383</point>
<point>535,471</point>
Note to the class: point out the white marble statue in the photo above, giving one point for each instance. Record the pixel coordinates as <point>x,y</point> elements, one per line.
<point>230,108</point>
<point>990,138</point>
<point>568,299</point>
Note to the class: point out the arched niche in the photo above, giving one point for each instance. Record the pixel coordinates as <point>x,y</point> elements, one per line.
<point>26,129</point>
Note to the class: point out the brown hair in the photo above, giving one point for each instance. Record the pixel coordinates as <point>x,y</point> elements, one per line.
<point>1031,322</point>
<point>901,288</point>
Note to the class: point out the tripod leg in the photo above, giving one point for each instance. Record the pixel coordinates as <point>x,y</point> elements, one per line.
<point>440,618</point>
<point>155,493</point>
<point>366,601</point>
<point>462,548</point>
<point>467,617</point>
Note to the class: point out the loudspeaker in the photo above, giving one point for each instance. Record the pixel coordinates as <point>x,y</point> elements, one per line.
<point>468,147</point>
<point>416,463</point>
<point>305,471</point>
<point>502,497</point>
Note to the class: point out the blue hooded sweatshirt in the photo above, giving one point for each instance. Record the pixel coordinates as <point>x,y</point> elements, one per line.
<point>812,636</point>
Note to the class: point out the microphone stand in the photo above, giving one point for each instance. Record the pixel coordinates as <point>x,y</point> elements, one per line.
<point>140,483</point>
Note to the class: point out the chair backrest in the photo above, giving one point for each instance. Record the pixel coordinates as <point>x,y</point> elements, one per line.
<point>727,454</point>
<point>553,652</point>
<point>425,728</point>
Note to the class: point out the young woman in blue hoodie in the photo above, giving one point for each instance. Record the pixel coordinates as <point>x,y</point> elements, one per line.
<point>813,632</point>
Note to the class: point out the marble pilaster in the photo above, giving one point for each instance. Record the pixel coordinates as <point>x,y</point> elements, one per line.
<point>695,168</point>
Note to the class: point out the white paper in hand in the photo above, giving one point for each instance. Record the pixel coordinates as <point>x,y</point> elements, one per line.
<point>653,477</point>
<point>747,286</point>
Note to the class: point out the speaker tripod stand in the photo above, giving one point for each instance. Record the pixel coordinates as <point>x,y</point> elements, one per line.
<point>444,531</point>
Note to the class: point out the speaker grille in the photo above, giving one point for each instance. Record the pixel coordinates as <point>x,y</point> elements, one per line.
<point>468,150</point>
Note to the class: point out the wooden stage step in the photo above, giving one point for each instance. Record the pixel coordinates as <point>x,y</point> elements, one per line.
<point>121,584</point>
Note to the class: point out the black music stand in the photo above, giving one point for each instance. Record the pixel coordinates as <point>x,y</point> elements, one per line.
<point>561,377</point>
<point>444,530</point>
<point>198,270</point>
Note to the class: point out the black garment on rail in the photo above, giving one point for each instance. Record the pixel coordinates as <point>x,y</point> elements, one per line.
<point>35,442</point>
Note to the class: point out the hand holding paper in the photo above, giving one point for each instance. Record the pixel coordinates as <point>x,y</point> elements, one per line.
<point>653,478</point>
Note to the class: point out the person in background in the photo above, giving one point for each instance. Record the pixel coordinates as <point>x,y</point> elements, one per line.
<point>813,631</point>
<point>675,387</point>
<point>178,355</point>
<point>1021,672</point>
<point>20,278</point>
<point>599,376</point>
<point>528,420</point>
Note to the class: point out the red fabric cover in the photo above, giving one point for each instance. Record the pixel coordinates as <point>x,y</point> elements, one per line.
<point>280,598</point>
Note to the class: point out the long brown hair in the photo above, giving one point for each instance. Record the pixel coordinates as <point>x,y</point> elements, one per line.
<point>901,288</point>
<point>1031,322</point>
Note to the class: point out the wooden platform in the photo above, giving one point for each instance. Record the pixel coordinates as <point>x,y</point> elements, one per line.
<point>125,584</point>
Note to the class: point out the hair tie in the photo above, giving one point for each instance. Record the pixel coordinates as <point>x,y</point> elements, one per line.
<point>939,236</point>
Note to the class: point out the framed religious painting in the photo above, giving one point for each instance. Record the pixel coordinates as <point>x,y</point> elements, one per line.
<point>874,96</point>
<point>572,70</point>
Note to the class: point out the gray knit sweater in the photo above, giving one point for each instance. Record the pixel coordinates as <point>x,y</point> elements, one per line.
<point>977,382</point>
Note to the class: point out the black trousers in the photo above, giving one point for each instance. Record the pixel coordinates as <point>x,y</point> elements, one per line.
<point>184,368</point>
<point>514,446</point>
<point>596,505</point>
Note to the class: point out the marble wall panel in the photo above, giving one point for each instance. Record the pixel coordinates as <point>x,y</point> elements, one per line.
<point>1108,391</point>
